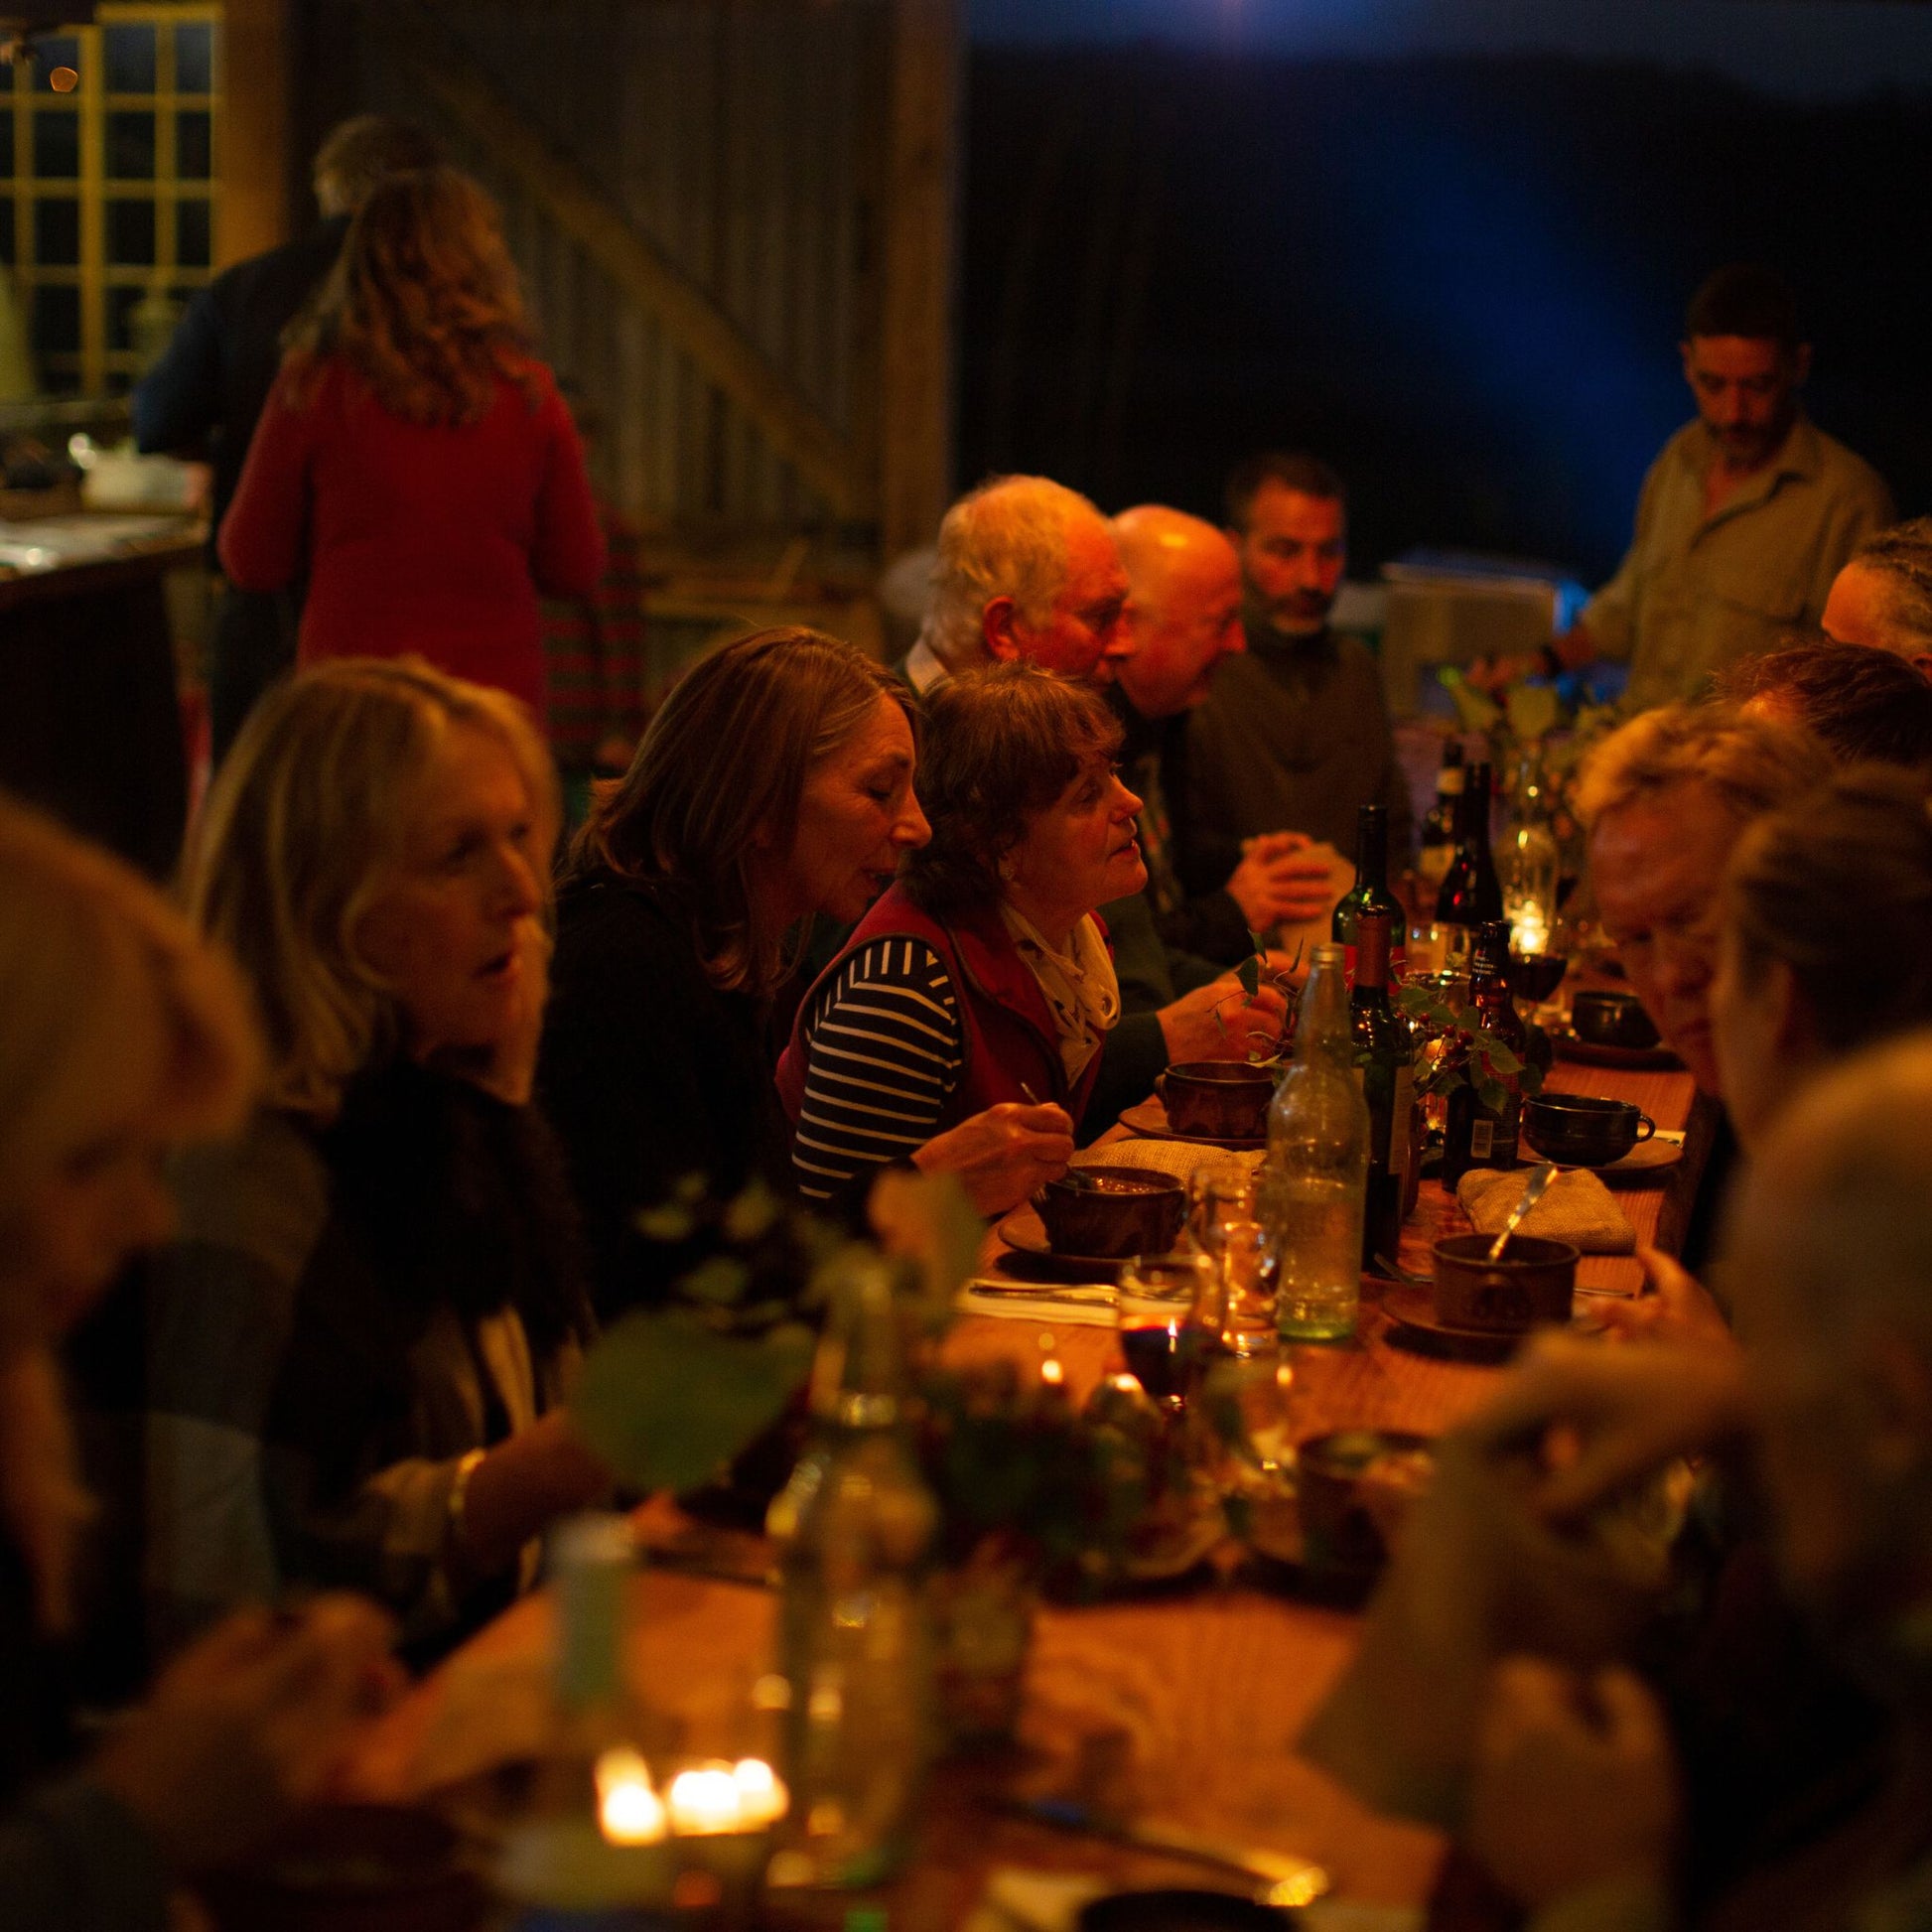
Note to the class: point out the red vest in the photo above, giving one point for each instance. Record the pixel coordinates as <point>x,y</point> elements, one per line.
<point>1006,1023</point>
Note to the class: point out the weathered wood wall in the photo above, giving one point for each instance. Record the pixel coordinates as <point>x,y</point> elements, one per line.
<point>735,222</point>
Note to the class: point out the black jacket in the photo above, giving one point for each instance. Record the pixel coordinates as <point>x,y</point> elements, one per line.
<point>211,381</point>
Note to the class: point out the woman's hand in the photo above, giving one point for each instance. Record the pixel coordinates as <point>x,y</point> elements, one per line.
<point>248,1724</point>
<point>1575,1785</point>
<point>1001,1155</point>
<point>1219,1021</point>
<point>1680,1310</point>
<point>522,1487</point>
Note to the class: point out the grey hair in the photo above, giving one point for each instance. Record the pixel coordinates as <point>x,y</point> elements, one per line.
<point>1752,765</point>
<point>1902,556</point>
<point>1007,538</point>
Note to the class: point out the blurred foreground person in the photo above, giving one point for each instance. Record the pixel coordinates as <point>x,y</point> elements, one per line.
<point>775,784</point>
<point>120,1036</point>
<point>1746,517</point>
<point>414,457</point>
<point>1026,569</point>
<point>1882,598</point>
<point>358,1340</point>
<point>1865,707</point>
<point>1572,1802</point>
<point>1663,801</point>
<point>1184,620</point>
<point>213,379</point>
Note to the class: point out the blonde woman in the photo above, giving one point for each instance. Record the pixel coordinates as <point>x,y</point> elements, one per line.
<point>121,1033</point>
<point>358,1344</point>
<point>414,459</point>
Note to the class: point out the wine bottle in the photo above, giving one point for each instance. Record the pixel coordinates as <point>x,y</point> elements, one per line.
<point>1439,827</point>
<point>1386,1058</point>
<point>1315,1172</point>
<point>1471,895</point>
<point>1371,891</point>
<point>1477,1134</point>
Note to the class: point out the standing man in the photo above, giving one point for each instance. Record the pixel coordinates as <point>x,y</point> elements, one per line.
<point>1746,517</point>
<point>210,386</point>
<point>1184,620</point>
<point>1295,733</point>
<point>1027,568</point>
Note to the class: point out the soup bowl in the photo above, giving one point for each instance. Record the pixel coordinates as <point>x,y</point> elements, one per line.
<point>1111,1214</point>
<point>1217,1100</point>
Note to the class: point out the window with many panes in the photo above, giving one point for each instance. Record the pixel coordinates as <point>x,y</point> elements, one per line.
<point>107,203</point>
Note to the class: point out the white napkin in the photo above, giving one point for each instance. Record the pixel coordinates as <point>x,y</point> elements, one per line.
<point>1081,1305</point>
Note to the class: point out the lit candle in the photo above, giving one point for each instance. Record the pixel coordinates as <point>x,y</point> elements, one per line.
<point>628,1810</point>
<point>706,1802</point>
<point>762,1797</point>
<point>1532,931</point>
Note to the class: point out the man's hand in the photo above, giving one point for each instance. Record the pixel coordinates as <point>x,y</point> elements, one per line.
<point>1219,1021</point>
<point>1281,881</point>
<point>1001,1155</point>
<point>246,1725</point>
<point>1624,1412</point>
<point>1575,1783</point>
<point>1679,1310</point>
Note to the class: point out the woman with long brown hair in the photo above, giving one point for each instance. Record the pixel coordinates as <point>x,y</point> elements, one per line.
<point>773,785</point>
<point>415,459</point>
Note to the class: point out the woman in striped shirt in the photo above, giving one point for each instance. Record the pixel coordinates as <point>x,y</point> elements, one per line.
<point>980,987</point>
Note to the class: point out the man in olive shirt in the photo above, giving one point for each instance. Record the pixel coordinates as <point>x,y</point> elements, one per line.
<point>1746,515</point>
<point>1295,733</point>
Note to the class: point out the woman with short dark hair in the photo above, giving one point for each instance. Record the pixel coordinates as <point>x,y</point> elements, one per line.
<point>981,983</point>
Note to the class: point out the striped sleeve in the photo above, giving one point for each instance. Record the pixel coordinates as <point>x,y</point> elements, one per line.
<point>883,1057</point>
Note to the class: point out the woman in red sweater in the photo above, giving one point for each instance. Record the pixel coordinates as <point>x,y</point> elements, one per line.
<point>415,460</point>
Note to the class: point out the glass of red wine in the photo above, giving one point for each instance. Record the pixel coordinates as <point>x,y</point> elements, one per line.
<point>1169,1324</point>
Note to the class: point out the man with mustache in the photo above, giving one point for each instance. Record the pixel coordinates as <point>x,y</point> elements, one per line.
<point>1295,733</point>
<point>1746,517</point>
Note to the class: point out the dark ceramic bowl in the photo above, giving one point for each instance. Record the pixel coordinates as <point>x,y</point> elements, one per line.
<point>1532,1284</point>
<point>1351,1484</point>
<point>1217,1100</point>
<point>1580,1129</point>
<point>1111,1214</point>
<point>1612,1020</point>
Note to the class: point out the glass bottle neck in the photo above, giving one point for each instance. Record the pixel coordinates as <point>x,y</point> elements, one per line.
<point>1372,851</point>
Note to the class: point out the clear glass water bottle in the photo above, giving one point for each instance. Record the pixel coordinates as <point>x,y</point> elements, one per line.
<point>855,1525</point>
<point>1314,1179</point>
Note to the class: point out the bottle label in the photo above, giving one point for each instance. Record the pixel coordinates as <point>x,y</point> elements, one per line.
<point>1400,1113</point>
<point>1482,1140</point>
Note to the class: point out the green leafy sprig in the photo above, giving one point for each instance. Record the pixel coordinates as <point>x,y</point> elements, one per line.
<point>1463,1051</point>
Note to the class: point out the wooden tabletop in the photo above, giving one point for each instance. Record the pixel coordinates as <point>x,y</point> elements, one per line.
<point>1183,1708</point>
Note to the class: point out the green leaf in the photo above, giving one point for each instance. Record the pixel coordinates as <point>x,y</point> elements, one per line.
<point>1502,1061</point>
<point>1474,712</point>
<point>1493,1095</point>
<point>667,1403</point>
<point>752,1213</point>
<point>669,1223</point>
<point>1249,974</point>
<point>720,1281</point>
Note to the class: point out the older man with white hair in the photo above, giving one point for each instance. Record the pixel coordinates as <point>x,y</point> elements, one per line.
<point>1026,569</point>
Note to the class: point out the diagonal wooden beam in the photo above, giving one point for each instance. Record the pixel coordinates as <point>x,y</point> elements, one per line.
<point>449,75</point>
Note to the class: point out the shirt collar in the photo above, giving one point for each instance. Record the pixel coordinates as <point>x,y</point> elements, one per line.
<point>1798,457</point>
<point>924,669</point>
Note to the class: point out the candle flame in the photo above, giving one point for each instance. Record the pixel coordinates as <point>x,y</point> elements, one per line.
<point>628,1810</point>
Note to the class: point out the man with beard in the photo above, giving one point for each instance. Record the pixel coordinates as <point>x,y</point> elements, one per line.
<point>1295,733</point>
<point>1746,517</point>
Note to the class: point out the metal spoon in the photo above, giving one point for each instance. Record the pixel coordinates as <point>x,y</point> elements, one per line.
<point>1533,1193</point>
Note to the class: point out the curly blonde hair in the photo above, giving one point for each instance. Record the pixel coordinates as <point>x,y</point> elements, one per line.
<point>422,304</point>
<point>298,834</point>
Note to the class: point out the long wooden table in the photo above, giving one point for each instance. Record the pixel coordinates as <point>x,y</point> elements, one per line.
<point>1182,1707</point>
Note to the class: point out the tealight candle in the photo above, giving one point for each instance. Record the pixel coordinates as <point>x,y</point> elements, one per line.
<point>627,1809</point>
<point>706,1802</point>
<point>762,1798</point>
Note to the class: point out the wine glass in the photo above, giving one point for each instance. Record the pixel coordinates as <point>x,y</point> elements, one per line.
<point>1168,1319</point>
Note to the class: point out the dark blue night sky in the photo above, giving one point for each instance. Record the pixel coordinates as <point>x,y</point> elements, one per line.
<point>1803,49</point>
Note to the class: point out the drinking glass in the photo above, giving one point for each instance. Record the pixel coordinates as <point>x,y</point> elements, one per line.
<point>1165,1311</point>
<point>1226,1223</point>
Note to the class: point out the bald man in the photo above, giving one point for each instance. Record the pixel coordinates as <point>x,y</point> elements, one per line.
<point>1883,597</point>
<point>1184,619</point>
